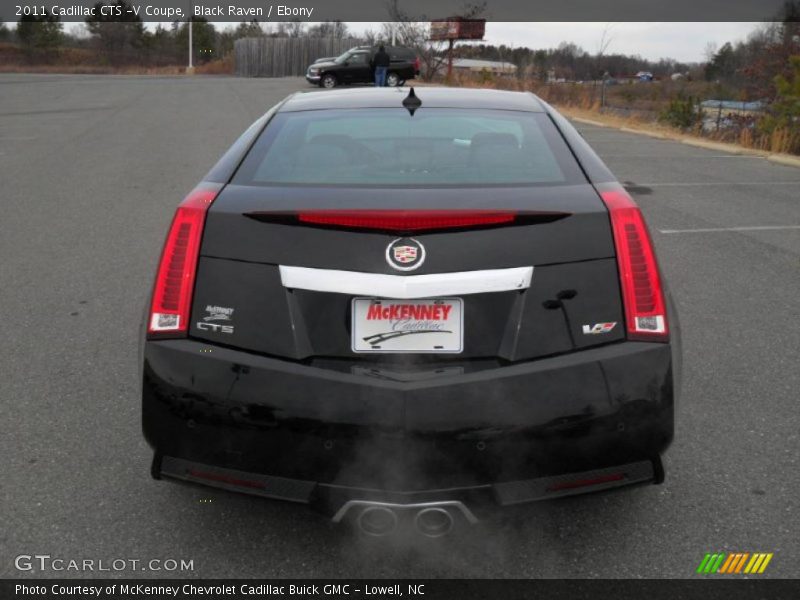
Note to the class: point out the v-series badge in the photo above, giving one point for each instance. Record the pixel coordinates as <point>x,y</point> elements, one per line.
<point>598,328</point>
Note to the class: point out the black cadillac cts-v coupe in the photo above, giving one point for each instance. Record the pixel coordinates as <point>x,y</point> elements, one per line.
<point>403,308</point>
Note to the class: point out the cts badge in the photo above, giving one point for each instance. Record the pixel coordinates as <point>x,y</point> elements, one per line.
<point>405,254</point>
<point>598,328</point>
<point>215,327</point>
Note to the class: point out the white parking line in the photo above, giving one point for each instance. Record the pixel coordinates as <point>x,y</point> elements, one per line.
<point>678,157</point>
<point>715,229</point>
<point>719,183</point>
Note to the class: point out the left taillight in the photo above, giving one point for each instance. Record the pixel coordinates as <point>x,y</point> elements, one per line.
<point>174,285</point>
<point>640,280</point>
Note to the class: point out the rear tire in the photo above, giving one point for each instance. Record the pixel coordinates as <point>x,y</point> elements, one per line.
<point>328,81</point>
<point>392,79</point>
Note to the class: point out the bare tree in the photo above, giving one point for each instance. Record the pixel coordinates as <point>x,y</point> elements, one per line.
<point>370,37</point>
<point>292,29</point>
<point>414,31</point>
<point>605,40</point>
<point>334,29</point>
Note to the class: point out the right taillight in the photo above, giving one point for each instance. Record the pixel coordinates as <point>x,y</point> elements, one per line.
<point>642,292</point>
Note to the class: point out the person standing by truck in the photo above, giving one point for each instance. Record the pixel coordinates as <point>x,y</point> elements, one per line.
<point>380,65</point>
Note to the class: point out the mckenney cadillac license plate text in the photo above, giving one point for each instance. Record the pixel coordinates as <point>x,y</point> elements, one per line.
<point>435,325</point>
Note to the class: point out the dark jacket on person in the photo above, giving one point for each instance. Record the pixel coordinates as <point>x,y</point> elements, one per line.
<point>381,59</point>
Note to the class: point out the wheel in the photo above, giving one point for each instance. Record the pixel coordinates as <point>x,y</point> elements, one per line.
<point>392,79</point>
<point>328,81</point>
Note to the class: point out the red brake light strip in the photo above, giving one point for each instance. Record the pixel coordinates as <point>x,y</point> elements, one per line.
<point>406,220</point>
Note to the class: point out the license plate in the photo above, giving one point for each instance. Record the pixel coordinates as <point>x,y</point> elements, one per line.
<point>410,326</point>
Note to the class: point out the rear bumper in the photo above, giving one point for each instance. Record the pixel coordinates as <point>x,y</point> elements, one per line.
<point>467,429</point>
<point>338,500</point>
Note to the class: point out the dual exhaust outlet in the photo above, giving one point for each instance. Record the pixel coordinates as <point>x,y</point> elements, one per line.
<point>430,519</point>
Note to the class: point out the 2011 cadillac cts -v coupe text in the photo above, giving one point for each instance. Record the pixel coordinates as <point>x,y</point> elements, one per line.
<point>406,307</point>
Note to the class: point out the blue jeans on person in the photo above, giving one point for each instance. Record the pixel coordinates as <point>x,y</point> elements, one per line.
<point>380,76</point>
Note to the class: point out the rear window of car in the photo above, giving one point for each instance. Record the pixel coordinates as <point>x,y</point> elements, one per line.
<point>400,53</point>
<point>390,147</point>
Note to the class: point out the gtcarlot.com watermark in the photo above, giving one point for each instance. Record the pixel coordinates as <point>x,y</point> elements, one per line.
<point>46,562</point>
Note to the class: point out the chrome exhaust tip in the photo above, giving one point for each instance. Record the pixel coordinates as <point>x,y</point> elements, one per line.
<point>377,521</point>
<point>433,522</point>
<point>431,519</point>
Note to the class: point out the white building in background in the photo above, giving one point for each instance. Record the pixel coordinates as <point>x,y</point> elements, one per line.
<point>494,67</point>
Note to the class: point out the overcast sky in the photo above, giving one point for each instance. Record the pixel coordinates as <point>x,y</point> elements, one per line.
<point>682,41</point>
<point>685,42</point>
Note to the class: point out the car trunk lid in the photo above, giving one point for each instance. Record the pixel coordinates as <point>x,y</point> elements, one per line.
<point>562,232</point>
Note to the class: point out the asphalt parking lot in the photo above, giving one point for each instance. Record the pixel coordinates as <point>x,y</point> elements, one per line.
<point>91,169</point>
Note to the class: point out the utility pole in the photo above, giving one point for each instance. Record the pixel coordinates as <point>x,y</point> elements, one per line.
<point>190,69</point>
<point>450,43</point>
<point>394,30</point>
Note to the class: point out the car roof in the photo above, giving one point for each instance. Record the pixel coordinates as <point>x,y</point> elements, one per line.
<point>431,97</point>
<point>385,47</point>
